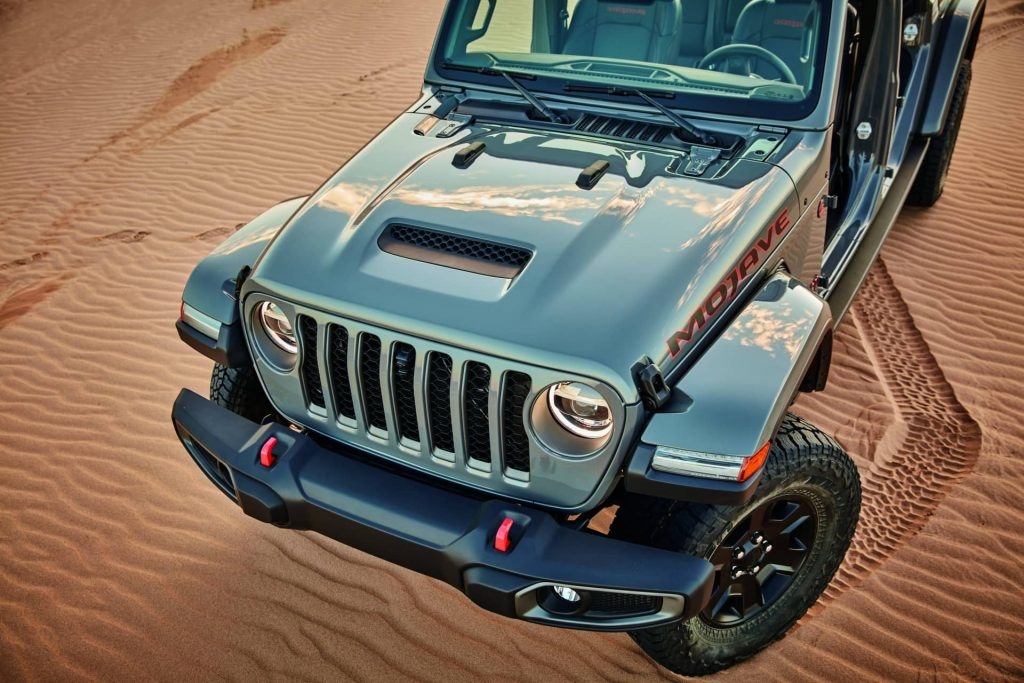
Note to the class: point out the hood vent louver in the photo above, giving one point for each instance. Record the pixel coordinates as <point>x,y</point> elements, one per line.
<point>623,128</point>
<point>454,251</point>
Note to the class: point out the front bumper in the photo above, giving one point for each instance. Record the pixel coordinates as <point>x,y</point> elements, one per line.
<point>440,532</point>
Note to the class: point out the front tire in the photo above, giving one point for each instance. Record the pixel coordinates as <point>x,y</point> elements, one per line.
<point>773,556</point>
<point>239,390</point>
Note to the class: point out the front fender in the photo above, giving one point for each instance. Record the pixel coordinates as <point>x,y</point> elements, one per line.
<point>733,399</point>
<point>211,286</point>
<point>210,321</point>
<point>955,35</point>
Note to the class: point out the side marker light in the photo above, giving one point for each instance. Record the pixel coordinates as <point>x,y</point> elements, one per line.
<point>754,463</point>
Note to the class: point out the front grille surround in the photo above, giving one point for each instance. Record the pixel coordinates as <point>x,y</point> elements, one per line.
<point>543,477</point>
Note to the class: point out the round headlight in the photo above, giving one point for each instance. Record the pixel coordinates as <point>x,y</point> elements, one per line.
<point>277,326</point>
<point>580,409</point>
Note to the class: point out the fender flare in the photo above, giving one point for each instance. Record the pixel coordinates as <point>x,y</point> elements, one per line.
<point>957,36</point>
<point>209,296</point>
<point>732,401</point>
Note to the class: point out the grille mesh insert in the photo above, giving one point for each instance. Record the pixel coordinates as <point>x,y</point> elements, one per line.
<point>337,350</point>
<point>477,414</point>
<point>311,383</point>
<point>369,376</point>
<point>403,366</point>
<point>516,442</point>
<point>439,402</point>
<point>623,603</point>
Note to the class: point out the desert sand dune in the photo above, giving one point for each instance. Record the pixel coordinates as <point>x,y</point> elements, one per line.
<point>135,135</point>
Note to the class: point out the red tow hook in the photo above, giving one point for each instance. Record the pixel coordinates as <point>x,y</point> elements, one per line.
<point>502,542</point>
<point>267,457</point>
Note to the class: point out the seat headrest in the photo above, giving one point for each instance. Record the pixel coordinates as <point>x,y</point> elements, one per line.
<point>633,13</point>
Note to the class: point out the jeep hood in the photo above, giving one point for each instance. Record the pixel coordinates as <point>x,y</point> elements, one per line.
<point>615,270</point>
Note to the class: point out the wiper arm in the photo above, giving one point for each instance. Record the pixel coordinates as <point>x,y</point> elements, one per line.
<point>543,109</point>
<point>692,131</point>
<point>681,123</point>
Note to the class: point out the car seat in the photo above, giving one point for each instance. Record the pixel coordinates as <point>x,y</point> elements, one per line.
<point>646,31</point>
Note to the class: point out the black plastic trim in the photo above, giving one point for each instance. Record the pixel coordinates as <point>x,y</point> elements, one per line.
<point>468,154</point>
<point>589,176</point>
<point>959,25</point>
<point>434,531</point>
<point>228,349</point>
<point>641,478</point>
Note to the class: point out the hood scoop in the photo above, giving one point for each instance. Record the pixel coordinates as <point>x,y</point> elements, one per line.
<point>623,128</point>
<point>454,251</point>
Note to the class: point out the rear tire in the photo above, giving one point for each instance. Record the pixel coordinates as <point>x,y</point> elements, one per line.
<point>931,178</point>
<point>239,390</point>
<point>804,512</point>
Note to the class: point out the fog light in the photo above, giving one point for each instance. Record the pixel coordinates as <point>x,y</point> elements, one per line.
<point>567,593</point>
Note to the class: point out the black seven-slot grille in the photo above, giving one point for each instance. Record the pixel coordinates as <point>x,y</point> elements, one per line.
<point>463,413</point>
<point>454,251</point>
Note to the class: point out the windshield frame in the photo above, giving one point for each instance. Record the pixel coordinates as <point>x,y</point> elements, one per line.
<point>815,111</point>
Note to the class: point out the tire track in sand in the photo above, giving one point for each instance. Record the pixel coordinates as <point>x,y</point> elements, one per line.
<point>931,445</point>
<point>195,80</point>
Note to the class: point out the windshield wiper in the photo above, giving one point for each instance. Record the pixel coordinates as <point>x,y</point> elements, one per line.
<point>693,132</point>
<point>542,109</point>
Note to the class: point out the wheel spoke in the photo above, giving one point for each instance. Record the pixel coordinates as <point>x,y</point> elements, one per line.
<point>786,559</point>
<point>794,517</point>
<point>751,595</point>
<point>796,525</point>
<point>719,599</point>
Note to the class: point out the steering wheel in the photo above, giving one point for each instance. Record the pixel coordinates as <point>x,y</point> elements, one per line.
<point>745,50</point>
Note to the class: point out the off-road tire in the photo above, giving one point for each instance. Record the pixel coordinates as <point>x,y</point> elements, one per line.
<point>931,178</point>
<point>239,390</point>
<point>803,461</point>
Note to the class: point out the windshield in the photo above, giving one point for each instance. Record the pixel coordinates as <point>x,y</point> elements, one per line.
<point>724,56</point>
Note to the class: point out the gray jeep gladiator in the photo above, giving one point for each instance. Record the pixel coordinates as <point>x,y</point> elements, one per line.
<point>591,267</point>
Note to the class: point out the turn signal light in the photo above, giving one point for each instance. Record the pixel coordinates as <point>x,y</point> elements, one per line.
<point>754,463</point>
<point>709,465</point>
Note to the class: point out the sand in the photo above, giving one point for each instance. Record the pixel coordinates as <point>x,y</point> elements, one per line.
<point>135,135</point>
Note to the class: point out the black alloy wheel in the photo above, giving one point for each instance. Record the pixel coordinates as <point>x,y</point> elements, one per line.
<point>757,562</point>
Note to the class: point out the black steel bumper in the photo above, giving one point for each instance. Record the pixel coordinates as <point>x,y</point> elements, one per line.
<point>440,532</point>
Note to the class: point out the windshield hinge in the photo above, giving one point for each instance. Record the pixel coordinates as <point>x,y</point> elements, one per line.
<point>651,385</point>
<point>699,160</point>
